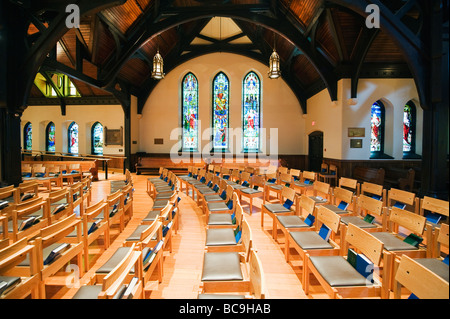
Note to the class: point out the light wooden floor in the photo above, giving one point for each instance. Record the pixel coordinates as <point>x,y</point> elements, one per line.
<point>183,267</point>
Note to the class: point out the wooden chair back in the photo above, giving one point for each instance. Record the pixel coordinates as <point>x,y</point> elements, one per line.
<point>369,204</point>
<point>329,218</point>
<point>285,177</point>
<point>258,180</point>
<point>419,280</point>
<point>247,239</point>
<point>295,173</point>
<point>434,205</point>
<point>405,197</point>
<point>249,169</point>
<point>245,176</point>
<point>365,242</point>
<point>373,189</point>
<point>306,204</point>
<point>321,187</point>
<point>342,194</point>
<point>288,193</point>
<point>312,176</point>
<point>282,170</point>
<point>350,183</point>
<point>442,238</point>
<point>413,222</point>
<point>257,278</point>
<point>324,168</point>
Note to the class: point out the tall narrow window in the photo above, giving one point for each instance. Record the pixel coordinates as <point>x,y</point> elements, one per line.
<point>97,138</point>
<point>377,130</point>
<point>27,137</point>
<point>221,99</point>
<point>73,138</point>
<point>189,112</point>
<point>50,137</point>
<point>251,109</point>
<point>409,130</point>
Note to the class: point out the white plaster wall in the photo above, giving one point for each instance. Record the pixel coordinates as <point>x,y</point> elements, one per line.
<point>85,116</point>
<point>280,108</point>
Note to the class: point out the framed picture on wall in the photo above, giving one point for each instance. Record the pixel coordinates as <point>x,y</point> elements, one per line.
<point>356,143</point>
<point>114,136</point>
<point>356,132</point>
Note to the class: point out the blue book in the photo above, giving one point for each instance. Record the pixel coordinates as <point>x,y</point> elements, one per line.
<point>306,181</point>
<point>310,220</point>
<point>295,178</point>
<point>166,229</point>
<point>325,232</point>
<point>343,205</point>
<point>272,180</point>
<point>399,205</point>
<point>226,177</point>
<point>445,260</point>
<point>288,203</point>
<point>413,296</point>
<point>224,194</point>
<point>209,184</point>
<point>215,188</point>
<point>202,180</point>
<point>245,183</point>
<point>238,236</point>
<point>230,204</point>
<point>433,218</point>
<point>255,187</point>
<point>377,197</point>
<point>364,266</point>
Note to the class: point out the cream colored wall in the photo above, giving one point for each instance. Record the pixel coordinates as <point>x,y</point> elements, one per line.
<point>162,110</point>
<point>335,119</point>
<point>85,116</point>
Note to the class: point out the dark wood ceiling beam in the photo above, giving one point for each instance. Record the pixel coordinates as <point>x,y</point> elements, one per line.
<point>334,34</point>
<point>59,94</point>
<point>218,10</point>
<point>314,20</point>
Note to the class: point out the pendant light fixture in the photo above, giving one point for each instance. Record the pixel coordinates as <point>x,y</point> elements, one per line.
<point>274,63</point>
<point>158,66</point>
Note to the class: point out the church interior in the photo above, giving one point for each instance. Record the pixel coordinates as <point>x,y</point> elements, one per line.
<point>224,149</point>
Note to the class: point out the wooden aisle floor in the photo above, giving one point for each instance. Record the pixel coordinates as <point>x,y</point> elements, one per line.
<point>183,267</point>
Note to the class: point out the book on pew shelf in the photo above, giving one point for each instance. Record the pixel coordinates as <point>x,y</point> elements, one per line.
<point>413,240</point>
<point>224,194</point>
<point>113,211</point>
<point>369,218</point>
<point>295,178</point>
<point>306,181</point>
<point>202,180</point>
<point>255,187</point>
<point>377,197</point>
<point>236,230</point>
<point>364,266</point>
<point>74,172</point>
<point>287,185</point>
<point>445,260</point>
<point>174,212</point>
<point>26,196</point>
<point>288,203</point>
<point>343,205</point>
<point>3,204</point>
<point>39,174</point>
<point>215,188</point>
<point>233,218</point>
<point>8,283</point>
<point>59,208</point>
<point>433,218</point>
<point>245,183</point>
<point>238,236</point>
<point>153,253</point>
<point>351,257</point>
<point>94,226</point>
<point>399,205</point>
<point>166,229</point>
<point>75,196</point>
<point>325,232</point>
<point>119,294</point>
<point>230,204</point>
<point>309,220</point>
<point>413,296</point>
<point>209,184</point>
<point>128,292</point>
<point>55,253</point>
<point>27,223</point>
<point>26,175</point>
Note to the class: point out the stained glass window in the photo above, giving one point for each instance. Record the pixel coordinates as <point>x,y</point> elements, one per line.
<point>189,112</point>
<point>73,138</point>
<point>50,137</point>
<point>251,106</point>
<point>377,127</point>
<point>221,95</point>
<point>409,128</point>
<point>27,137</point>
<point>97,138</point>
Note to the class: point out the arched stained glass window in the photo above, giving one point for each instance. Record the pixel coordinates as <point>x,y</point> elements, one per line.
<point>97,138</point>
<point>377,129</point>
<point>251,109</point>
<point>221,100</point>
<point>189,112</point>
<point>50,137</point>
<point>73,138</point>
<point>409,128</point>
<point>27,137</point>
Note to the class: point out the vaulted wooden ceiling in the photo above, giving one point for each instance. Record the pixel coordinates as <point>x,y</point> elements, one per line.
<point>319,42</point>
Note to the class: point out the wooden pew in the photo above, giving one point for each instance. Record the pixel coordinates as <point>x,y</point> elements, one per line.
<point>368,174</point>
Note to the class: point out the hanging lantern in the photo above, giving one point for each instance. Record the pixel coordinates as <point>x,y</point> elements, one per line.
<point>274,65</point>
<point>158,67</point>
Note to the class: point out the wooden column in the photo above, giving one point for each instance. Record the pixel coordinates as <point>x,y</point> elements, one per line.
<point>435,116</point>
